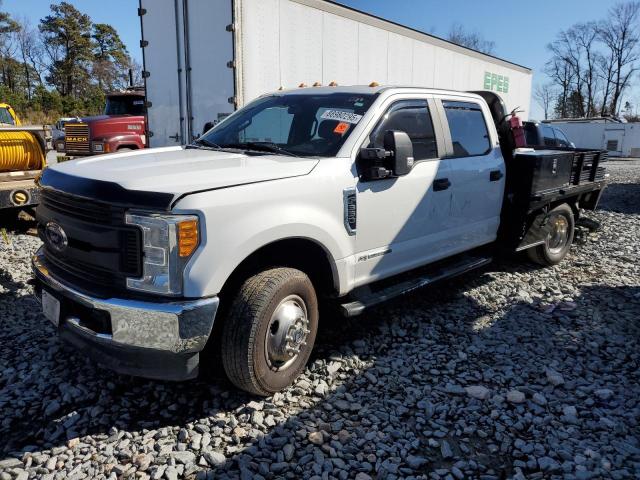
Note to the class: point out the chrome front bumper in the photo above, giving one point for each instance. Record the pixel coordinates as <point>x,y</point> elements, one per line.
<point>143,329</point>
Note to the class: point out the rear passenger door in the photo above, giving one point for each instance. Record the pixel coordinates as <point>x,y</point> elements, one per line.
<point>476,172</point>
<point>403,221</point>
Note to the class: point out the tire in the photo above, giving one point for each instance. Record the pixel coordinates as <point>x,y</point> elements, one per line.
<point>560,227</point>
<point>254,343</point>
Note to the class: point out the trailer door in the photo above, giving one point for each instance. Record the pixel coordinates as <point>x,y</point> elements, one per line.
<point>188,61</point>
<point>209,56</point>
<point>163,70</point>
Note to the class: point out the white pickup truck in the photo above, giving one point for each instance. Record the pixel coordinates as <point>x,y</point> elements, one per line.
<point>302,197</point>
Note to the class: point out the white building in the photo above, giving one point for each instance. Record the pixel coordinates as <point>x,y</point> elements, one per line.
<point>620,139</point>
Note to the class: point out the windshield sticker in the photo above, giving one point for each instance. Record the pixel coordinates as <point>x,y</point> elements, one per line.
<point>341,116</point>
<point>341,128</point>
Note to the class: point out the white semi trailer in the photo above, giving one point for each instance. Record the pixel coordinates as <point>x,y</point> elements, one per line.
<point>203,59</point>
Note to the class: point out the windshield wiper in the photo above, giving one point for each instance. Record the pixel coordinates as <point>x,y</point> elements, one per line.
<point>201,142</point>
<point>260,147</point>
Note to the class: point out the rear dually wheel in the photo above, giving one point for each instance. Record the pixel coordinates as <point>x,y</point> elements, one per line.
<point>560,225</point>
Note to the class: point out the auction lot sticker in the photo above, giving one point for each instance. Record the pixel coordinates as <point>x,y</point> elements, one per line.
<point>341,116</point>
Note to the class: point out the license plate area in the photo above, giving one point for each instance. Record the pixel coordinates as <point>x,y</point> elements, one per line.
<point>51,307</point>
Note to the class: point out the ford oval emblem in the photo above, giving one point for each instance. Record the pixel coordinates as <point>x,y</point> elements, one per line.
<point>56,237</point>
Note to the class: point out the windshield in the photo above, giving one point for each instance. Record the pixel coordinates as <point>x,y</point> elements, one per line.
<point>296,124</point>
<point>125,105</point>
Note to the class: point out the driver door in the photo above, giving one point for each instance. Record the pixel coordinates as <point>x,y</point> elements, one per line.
<point>403,222</point>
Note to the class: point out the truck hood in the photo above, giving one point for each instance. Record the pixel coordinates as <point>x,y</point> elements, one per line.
<point>157,178</point>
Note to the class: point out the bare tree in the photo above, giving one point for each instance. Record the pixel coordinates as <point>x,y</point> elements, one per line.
<point>605,65</point>
<point>545,96</point>
<point>562,75</point>
<point>586,37</point>
<point>31,52</point>
<point>460,36</point>
<point>620,34</point>
<point>573,50</point>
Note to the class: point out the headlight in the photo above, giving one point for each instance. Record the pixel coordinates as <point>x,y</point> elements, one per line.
<point>98,147</point>
<point>168,241</point>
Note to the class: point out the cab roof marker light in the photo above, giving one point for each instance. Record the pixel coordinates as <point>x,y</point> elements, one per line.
<point>374,84</point>
<point>302,85</point>
<point>333,84</point>
<point>317,84</point>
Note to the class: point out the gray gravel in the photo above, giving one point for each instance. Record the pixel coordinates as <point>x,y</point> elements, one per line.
<point>512,372</point>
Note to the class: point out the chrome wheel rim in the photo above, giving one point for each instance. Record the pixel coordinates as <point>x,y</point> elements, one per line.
<point>558,236</point>
<point>287,333</point>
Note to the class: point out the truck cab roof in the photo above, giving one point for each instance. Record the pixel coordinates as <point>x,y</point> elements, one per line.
<point>377,89</point>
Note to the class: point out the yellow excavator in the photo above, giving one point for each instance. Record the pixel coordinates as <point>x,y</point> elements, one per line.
<point>23,155</point>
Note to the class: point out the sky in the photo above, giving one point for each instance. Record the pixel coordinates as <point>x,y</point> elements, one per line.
<point>520,34</point>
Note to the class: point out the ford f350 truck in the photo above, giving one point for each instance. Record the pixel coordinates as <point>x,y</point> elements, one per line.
<point>351,195</point>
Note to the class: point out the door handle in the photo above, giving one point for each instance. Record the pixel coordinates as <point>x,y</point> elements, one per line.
<point>440,184</point>
<point>495,175</point>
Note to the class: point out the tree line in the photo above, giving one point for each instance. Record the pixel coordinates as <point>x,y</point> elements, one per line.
<point>61,67</point>
<point>592,67</point>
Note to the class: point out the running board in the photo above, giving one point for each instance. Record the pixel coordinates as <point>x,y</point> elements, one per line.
<point>368,295</point>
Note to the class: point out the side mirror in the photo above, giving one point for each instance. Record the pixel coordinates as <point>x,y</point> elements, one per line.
<point>401,148</point>
<point>208,126</point>
<point>394,160</point>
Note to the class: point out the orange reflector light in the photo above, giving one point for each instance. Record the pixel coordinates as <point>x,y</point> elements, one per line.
<point>187,237</point>
<point>302,85</point>
<point>333,84</point>
<point>374,84</point>
<point>317,84</point>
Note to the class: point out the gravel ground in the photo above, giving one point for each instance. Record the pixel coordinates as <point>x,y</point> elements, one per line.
<point>512,372</point>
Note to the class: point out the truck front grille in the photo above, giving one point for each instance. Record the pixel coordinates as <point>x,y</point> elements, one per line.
<point>76,138</point>
<point>102,250</point>
<point>81,208</point>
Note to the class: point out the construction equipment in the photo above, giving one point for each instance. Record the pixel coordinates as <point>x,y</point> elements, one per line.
<point>23,152</point>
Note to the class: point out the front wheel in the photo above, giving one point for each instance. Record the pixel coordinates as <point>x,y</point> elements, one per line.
<point>270,330</point>
<point>560,225</point>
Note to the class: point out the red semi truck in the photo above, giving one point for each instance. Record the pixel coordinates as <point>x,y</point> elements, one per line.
<point>122,127</point>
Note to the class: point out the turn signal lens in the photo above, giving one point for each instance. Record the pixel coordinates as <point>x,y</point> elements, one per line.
<point>187,237</point>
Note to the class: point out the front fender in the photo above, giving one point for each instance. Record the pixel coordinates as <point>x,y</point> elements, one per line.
<point>237,223</point>
<point>118,141</point>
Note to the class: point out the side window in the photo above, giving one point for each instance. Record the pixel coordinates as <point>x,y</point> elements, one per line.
<point>549,137</point>
<point>468,129</point>
<point>531,134</point>
<point>5,117</point>
<point>271,125</point>
<point>563,141</point>
<point>413,118</point>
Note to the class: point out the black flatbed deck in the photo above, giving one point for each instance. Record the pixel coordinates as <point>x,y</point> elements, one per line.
<point>540,178</point>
